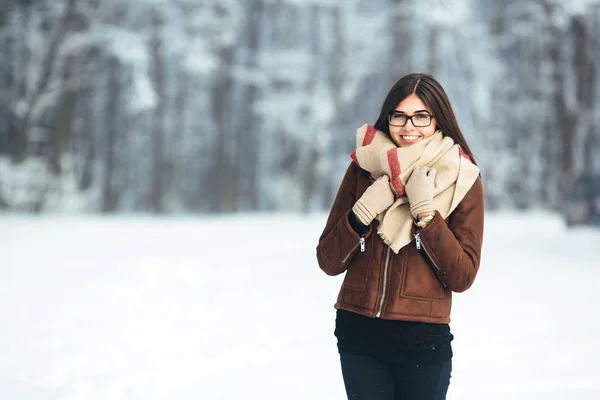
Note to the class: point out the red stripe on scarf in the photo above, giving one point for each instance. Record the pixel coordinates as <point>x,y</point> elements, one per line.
<point>353,157</point>
<point>394,163</point>
<point>465,155</point>
<point>369,135</point>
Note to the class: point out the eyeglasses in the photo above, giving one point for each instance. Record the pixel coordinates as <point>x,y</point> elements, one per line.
<point>418,120</point>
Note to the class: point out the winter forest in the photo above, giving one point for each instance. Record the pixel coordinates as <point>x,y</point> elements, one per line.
<point>204,106</point>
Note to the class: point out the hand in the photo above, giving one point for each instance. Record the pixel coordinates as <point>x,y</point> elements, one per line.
<point>377,198</point>
<point>419,190</point>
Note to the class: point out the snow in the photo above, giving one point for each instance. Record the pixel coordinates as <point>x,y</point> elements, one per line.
<point>446,12</point>
<point>199,61</point>
<point>129,48</point>
<point>232,307</point>
<point>24,185</point>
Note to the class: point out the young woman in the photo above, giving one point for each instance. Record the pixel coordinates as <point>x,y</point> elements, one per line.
<point>407,228</point>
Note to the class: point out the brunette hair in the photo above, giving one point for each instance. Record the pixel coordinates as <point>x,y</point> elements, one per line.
<point>429,90</point>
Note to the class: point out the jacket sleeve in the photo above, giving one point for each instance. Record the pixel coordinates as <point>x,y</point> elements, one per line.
<point>339,241</point>
<point>455,248</point>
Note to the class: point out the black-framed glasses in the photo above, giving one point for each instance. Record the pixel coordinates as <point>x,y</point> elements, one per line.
<point>418,120</point>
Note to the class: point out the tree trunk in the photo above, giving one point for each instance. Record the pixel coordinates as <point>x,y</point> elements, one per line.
<point>226,182</point>
<point>158,159</point>
<point>179,137</point>
<point>19,151</point>
<point>109,195</point>
<point>585,73</point>
<point>62,132</point>
<point>401,47</point>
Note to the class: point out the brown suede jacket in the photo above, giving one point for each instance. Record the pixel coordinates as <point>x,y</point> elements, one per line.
<point>415,284</point>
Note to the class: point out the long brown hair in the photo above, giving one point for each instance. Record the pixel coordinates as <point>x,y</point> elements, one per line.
<point>429,90</point>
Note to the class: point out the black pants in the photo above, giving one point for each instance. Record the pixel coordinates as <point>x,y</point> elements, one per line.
<point>367,378</point>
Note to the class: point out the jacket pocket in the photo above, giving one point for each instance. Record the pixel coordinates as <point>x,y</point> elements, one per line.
<point>358,268</point>
<point>418,279</point>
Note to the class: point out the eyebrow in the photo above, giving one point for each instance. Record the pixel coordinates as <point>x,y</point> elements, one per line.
<point>416,112</point>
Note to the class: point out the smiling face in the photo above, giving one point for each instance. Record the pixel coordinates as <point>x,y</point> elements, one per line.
<point>411,106</point>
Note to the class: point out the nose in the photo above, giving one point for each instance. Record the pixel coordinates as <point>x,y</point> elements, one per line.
<point>407,127</point>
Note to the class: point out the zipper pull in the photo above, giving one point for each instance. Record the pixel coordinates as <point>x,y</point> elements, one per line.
<point>418,240</point>
<point>362,244</point>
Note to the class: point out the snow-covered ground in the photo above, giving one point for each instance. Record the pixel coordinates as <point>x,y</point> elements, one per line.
<point>236,308</point>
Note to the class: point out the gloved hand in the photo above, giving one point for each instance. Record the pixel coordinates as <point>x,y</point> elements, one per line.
<point>377,198</point>
<point>419,190</point>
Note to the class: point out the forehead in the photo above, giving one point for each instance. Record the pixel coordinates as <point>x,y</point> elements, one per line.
<point>411,103</point>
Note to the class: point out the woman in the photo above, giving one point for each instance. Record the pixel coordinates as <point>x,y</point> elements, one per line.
<point>407,227</point>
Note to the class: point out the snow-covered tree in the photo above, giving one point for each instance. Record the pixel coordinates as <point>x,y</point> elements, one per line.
<point>211,105</point>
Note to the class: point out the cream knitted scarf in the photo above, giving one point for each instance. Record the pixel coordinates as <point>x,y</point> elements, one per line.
<point>378,154</point>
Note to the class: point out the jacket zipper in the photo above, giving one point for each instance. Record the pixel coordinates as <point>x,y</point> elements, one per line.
<point>420,244</point>
<point>385,268</point>
<point>360,243</point>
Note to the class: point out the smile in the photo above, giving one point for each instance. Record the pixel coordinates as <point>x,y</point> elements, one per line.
<point>410,137</point>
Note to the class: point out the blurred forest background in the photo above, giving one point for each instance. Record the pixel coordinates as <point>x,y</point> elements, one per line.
<point>186,106</point>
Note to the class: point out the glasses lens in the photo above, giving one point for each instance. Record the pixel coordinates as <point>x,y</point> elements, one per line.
<point>397,120</point>
<point>421,120</point>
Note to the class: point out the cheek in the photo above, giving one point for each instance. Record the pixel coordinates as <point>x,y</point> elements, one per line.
<point>395,134</point>
<point>433,126</point>
<point>428,131</point>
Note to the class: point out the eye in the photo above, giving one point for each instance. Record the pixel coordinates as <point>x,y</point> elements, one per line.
<point>397,116</point>
<point>422,117</point>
